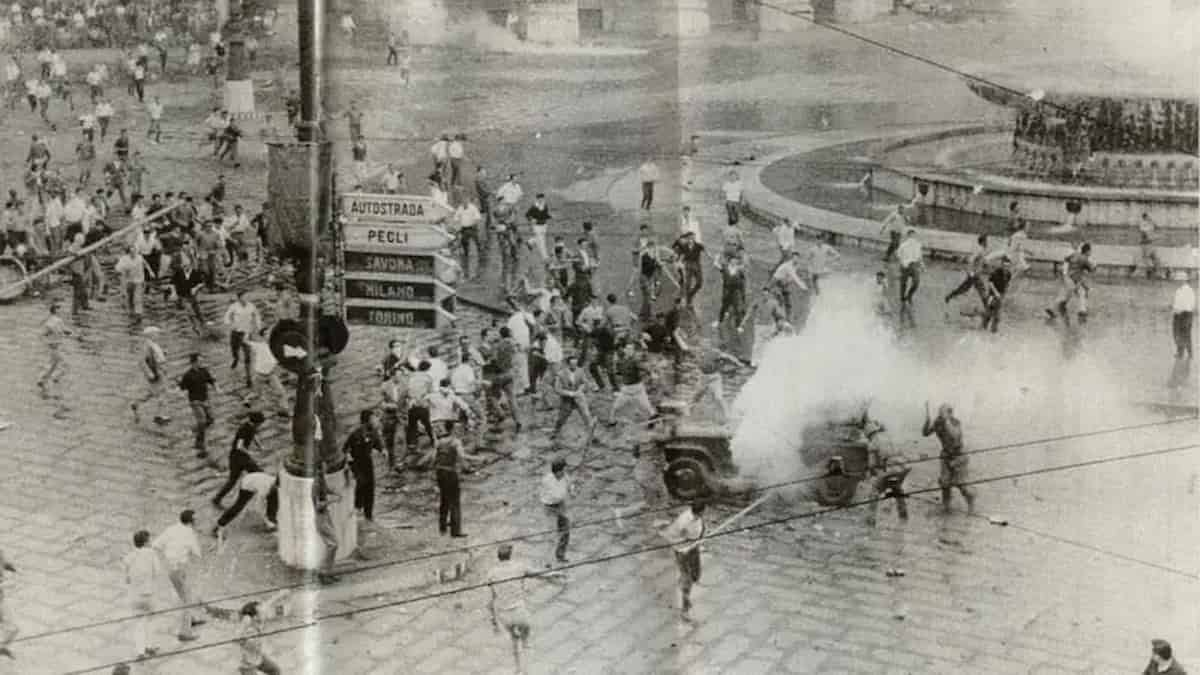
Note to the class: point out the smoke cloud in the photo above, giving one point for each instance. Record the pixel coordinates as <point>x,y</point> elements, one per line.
<point>1013,386</point>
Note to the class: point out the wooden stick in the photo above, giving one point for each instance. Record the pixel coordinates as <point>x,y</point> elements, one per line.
<point>729,521</point>
<point>53,267</point>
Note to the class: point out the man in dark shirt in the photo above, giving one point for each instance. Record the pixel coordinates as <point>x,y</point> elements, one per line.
<point>996,287</point>
<point>538,216</point>
<point>483,191</point>
<point>1077,267</point>
<point>197,382</point>
<point>240,461</point>
<point>448,458</point>
<point>631,375</point>
<point>502,358</point>
<point>363,442</point>
<point>733,292</point>
<point>691,257</point>
<point>187,281</point>
<point>954,461</point>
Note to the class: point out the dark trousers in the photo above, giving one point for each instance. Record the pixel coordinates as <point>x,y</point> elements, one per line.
<point>139,86</point>
<point>235,472</point>
<point>393,56</point>
<point>893,244</point>
<point>465,237</point>
<point>449,502</point>
<point>391,424</point>
<point>364,492</point>
<point>79,296</point>
<point>203,420</point>
<point>910,279</point>
<point>733,303</point>
<point>418,416</point>
<point>563,524</point>
<point>991,313</point>
<point>732,212</point>
<point>239,348</point>
<point>693,280</point>
<point>1181,327</point>
<point>647,195</point>
<point>244,497</point>
<point>972,281</point>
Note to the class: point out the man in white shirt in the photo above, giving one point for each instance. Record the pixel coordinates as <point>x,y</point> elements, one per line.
<point>786,277</point>
<point>104,114</point>
<point>520,324</point>
<point>243,319</point>
<point>785,238</point>
<point>909,255</point>
<point>438,370</point>
<point>456,152</point>
<point>554,493</point>
<point>732,189</point>
<point>467,218</point>
<point>507,604</point>
<point>155,110</point>
<point>266,372</point>
<point>684,535</point>
<point>131,267</point>
<point>53,218</point>
<point>446,408</point>
<point>509,195</point>
<point>689,223</point>
<point>94,82</point>
<point>178,546</point>
<point>440,150</point>
<point>259,487</point>
<point>648,174</point>
<point>142,573</point>
<point>1183,315</point>
<point>894,225</point>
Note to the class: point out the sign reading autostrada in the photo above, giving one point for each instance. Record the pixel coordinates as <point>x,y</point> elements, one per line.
<point>361,207</point>
<point>394,274</point>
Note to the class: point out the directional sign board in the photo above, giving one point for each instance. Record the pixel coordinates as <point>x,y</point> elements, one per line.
<point>394,275</point>
<point>396,237</point>
<point>361,207</point>
<point>397,314</point>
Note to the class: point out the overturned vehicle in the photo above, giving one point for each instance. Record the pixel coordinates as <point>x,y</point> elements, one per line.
<point>836,453</point>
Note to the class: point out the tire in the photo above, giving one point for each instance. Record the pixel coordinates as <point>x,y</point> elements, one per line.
<point>836,490</point>
<point>688,478</point>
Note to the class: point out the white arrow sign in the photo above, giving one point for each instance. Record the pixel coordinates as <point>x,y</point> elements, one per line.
<point>398,238</point>
<point>358,206</point>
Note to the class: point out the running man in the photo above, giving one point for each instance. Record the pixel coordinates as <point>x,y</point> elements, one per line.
<point>198,382</point>
<point>508,605</point>
<point>569,383</point>
<point>954,460</point>
<point>894,225</point>
<point>178,547</point>
<point>1076,269</point>
<point>54,329</point>
<point>974,277</point>
<point>153,365</point>
<point>685,534</point>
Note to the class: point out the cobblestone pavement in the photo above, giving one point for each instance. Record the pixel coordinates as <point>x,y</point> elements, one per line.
<point>806,595</point>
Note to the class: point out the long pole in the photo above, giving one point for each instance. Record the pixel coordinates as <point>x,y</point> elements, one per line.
<point>731,520</point>
<point>310,15</point>
<point>59,264</point>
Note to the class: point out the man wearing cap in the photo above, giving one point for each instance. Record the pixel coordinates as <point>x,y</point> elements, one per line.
<point>178,546</point>
<point>153,365</point>
<point>1162,660</point>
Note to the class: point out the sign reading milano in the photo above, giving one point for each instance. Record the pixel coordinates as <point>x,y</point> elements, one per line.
<point>393,283</point>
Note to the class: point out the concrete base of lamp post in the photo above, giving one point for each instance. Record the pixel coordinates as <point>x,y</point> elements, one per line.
<point>239,96</point>
<point>299,545</point>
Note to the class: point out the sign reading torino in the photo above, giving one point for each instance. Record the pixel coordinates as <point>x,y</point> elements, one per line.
<point>392,208</point>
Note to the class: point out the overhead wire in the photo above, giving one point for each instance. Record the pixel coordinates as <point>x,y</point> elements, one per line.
<point>770,522</point>
<point>549,532</point>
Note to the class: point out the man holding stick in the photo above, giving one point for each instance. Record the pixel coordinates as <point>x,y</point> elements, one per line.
<point>685,534</point>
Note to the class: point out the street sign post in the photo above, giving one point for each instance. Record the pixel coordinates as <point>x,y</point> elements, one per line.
<point>394,274</point>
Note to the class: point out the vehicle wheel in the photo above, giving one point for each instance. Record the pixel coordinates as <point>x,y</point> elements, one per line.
<point>688,478</point>
<point>836,490</point>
